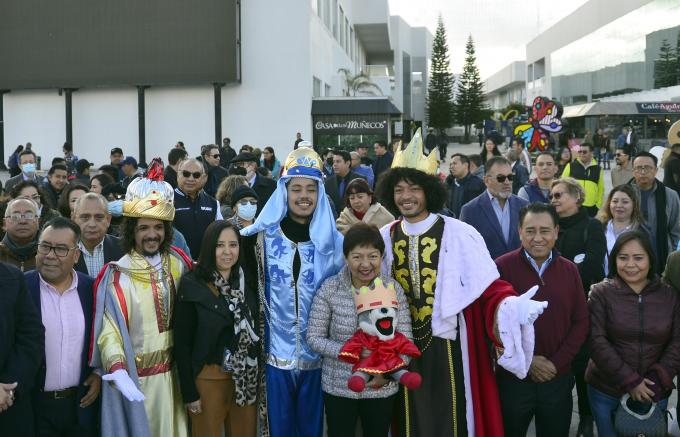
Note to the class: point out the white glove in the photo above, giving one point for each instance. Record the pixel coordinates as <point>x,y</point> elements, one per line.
<point>528,310</point>
<point>121,380</point>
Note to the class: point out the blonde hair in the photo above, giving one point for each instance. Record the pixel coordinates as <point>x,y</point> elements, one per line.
<point>574,188</point>
<point>227,187</point>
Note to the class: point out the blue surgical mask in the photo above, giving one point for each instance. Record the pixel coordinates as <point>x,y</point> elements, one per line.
<point>116,208</point>
<point>28,168</point>
<point>247,212</point>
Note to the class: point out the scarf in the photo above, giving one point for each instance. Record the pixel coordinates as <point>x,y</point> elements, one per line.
<point>22,252</point>
<point>244,357</point>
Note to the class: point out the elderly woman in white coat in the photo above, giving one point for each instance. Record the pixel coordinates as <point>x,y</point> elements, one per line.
<point>361,207</point>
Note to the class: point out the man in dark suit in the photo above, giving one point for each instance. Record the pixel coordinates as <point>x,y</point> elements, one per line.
<point>21,347</point>
<point>210,154</point>
<point>263,186</point>
<point>495,212</point>
<point>175,156</point>
<point>342,176</point>
<point>383,158</point>
<point>96,247</point>
<point>66,389</point>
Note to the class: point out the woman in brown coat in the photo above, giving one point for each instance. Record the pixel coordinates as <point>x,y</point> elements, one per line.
<point>635,332</point>
<point>362,207</point>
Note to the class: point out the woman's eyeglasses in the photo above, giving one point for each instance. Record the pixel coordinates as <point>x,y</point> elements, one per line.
<point>556,195</point>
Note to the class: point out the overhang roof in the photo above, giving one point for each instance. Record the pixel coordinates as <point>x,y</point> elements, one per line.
<point>353,105</point>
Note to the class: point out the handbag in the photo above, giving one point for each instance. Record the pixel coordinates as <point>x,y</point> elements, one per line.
<point>629,421</point>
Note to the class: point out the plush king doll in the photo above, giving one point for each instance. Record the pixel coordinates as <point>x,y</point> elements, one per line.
<point>377,311</point>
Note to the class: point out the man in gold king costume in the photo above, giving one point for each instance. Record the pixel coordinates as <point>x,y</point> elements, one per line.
<point>132,340</point>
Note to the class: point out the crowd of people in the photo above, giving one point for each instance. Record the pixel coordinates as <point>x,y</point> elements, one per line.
<point>216,295</point>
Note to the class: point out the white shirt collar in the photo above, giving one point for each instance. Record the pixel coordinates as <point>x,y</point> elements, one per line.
<point>420,227</point>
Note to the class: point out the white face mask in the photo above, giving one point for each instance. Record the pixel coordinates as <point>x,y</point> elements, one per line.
<point>28,168</point>
<point>247,212</point>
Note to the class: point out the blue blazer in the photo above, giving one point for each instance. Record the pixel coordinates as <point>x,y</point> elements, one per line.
<point>479,214</point>
<point>87,417</point>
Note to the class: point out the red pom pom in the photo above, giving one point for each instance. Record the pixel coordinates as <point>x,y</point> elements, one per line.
<point>155,170</point>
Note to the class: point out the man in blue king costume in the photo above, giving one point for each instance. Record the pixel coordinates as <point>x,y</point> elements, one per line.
<point>292,247</point>
<point>458,307</point>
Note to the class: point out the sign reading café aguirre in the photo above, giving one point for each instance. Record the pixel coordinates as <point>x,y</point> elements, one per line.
<point>658,108</point>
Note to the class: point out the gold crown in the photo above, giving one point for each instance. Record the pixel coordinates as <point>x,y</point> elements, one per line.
<point>376,296</point>
<point>302,157</point>
<point>412,156</point>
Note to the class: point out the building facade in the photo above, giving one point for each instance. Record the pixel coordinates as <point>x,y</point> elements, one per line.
<point>290,54</point>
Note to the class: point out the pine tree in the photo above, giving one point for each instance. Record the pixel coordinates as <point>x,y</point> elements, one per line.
<point>439,108</point>
<point>470,106</point>
<point>665,66</point>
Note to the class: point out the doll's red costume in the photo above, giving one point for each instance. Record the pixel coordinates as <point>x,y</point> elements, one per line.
<point>385,355</point>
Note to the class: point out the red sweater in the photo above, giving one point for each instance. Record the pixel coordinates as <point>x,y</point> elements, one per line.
<point>563,327</point>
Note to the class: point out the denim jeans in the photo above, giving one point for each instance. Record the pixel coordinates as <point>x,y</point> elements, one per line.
<point>603,407</point>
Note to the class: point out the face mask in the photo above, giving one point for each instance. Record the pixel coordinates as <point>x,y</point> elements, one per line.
<point>247,211</point>
<point>40,211</point>
<point>116,208</point>
<point>28,168</point>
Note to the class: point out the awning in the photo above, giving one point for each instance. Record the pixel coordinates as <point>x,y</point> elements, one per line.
<point>354,105</point>
<point>620,108</point>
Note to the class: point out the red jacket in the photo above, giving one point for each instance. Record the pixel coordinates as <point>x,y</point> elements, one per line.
<point>563,327</point>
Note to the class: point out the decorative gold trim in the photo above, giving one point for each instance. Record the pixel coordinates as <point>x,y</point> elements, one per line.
<point>453,387</point>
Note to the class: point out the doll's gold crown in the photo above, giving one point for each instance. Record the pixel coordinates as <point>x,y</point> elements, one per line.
<point>377,295</point>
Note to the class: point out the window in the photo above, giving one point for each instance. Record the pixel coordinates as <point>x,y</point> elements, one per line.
<point>316,88</point>
<point>327,89</point>
<point>316,7</point>
<point>346,42</point>
<point>334,18</point>
<point>351,43</point>
<point>341,24</point>
<point>327,14</point>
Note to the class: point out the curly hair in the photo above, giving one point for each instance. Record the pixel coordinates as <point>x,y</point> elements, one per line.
<point>127,233</point>
<point>434,189</point>
<point>227,187</point>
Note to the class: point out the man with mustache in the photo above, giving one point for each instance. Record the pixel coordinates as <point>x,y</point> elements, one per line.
<point>292,247</point>
<point>457,302</point>
<point>132,340</point>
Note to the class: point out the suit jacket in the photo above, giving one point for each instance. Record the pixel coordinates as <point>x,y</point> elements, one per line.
<point>332,186</point>
<point>87,417</point>
<point>264,188</point>
<point>113,251</point>
<point>21,349</point>
<point>479,214</point>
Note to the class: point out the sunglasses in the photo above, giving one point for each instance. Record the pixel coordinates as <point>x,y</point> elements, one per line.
<point>195,175</point>
<point>556,195</point>
<point>215,156</point>
<point>502,177</point>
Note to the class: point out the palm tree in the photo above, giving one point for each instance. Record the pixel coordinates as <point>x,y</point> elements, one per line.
<point>359,83</point>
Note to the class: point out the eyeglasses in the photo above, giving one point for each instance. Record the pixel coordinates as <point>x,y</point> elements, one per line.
<point>556,195</point>
<point>642,169</point>
<point>583,152</point>
<point>18,216</point>
<point>99,218</point>
<point>502,177</point>
<point>60,251</point>
<point>245,202</point>
<point>195,175</point>
<point>215,156</point>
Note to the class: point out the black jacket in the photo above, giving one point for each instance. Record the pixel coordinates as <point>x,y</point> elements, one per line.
<point>226,155</point>
<point>382,163</point>
<point>462,191</point>
<point>52,194</point>
<point>332,186</point>
<point>215,176</point>
<point>264,187</point>
<point>521,177</point>
<point>113,251</point>
<point>671,172</point>
<point>203,327</point>
<point>582,235</point>
<point>22,345</point>
<point>87,417</point>
<point>170,176</point>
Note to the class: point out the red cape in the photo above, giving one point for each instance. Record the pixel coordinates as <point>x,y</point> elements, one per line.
<point>385,355</point>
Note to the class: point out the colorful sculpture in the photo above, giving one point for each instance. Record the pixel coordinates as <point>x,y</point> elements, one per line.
<point>544,120</point>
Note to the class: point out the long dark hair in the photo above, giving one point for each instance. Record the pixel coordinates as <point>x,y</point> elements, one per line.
<point>270,163</point>
<point>128,234</point>
<point>494,152</point>
<point>206,264</point>
<point>63,205</point>
<point>627,237</point>
<point>18,188</point>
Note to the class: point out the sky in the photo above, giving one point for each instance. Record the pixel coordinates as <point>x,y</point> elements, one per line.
<point>499,28</point>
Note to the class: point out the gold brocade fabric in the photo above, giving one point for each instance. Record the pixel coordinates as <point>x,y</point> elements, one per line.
<point>146,294</point>
<point>416,259</point>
